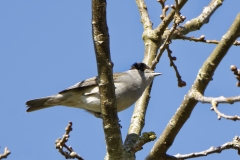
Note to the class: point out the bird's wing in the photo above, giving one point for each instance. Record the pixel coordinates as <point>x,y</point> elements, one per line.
<point>86,83</point>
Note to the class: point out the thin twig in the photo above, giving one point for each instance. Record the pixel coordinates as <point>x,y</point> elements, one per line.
<point>177,19</point>
<point>181,83</point>
<point>162,2</point>
<point>145,20</point>
<point>164,8</point>
<point>220,115</point>
<point>235,144</point>
<point>163,46</point>
<point>160,29</point>
<point>236,72</point>
<point>196,23</point>
<point>200,98</point>
<point>200,84</point>
<point>202,39</point>
<point>61,143</point>
<point>215,101</point>
<point>145,138</point>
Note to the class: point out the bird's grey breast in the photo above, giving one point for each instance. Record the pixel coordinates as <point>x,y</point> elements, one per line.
<point>128,89</point>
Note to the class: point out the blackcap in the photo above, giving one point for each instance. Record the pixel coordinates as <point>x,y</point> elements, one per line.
<point>129,86</point>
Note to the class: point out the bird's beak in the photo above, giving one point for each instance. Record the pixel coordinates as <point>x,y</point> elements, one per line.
<point>156,74</point>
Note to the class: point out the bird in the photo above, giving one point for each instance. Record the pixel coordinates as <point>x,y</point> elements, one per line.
<point>129,86</point>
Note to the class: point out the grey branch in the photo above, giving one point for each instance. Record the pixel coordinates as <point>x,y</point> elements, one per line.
<point>177,19</point>
<point>189,102</point>
<point>220,115</point>
<point>202,39</point>
<point>60,144</point>
<point>143,139</point>
<point>198,22</point>
<point>150,37</point>
<point>164,8</point>
<point>215,101</point>
<point>235,144</point>
<point>236,72</point>
<point>142,7</point>
<point>110,119</point>
<point>181,83</point>
<point>199,97</point>
<point>5,153</point>
<point>159,30</point>
<point>163,46</point>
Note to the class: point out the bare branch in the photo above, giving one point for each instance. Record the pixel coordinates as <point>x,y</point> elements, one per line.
<point>164,9</point>
<point>137,120</point>
<point>236,72</point>
<point>163,47</point>
<point>220,115</point>
<point>199,97</point>
<point>181,83</point>
<point>147,24</point>
<point>143,139</point>
<point>235,144</point>
<point>111,126</point>
<point>177,19</point>
<point>5,154</point>
<point>152,39</point>
<point>166,21</point>
<point>202,39</point>
<point>61,143</point>
<point>162,2</point>
<point>203,78</point>
<point>215,100</point>
<point>152,43</point>
<point>197,23</point>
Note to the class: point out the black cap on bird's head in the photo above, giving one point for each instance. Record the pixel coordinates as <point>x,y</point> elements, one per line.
<point>140,66</point>
<point>143,67</point>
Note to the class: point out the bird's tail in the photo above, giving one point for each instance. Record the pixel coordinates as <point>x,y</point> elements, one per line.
<point>37,104</point>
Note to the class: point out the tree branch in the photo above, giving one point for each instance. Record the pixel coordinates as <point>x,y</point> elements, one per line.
<point>181,83</point>
<point>203,78</point>
<point>202,39</point>
<point>100,35</point>
<point>61,143</point>
<point>152,42</point>
<point>236,72</point>
<point>163,46</point>
<point>197,23</point>
<point>235,144</point>
<point>177,19</point>
<point>220,115</point>
<point>5,153</point>
<point>143,139</point>
<point>166,21</point>
<point>142,7</point>
<point>164,8</point>
<point>230,100</point>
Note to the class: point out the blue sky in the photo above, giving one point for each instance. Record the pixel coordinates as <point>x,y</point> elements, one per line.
<point>46,46</point>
